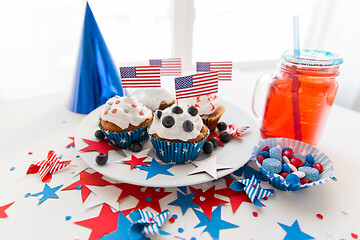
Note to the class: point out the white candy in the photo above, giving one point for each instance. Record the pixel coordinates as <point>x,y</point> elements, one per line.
<point>292,167</point>
<point>300,174</point>
<point>285,159</point>
<point>277,175</point>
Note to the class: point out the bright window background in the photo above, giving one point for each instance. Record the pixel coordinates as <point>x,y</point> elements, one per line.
<point>242,30</point>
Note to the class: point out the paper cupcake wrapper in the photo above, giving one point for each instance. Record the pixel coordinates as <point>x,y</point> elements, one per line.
<point>177,152</point>
<point>212,122</point>
<point>300,148</point>
<point>124,139</point>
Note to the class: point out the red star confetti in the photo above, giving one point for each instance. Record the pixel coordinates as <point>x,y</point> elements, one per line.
<point>206,200</point>
<point>150,198</point>
<point>236,198</point>
<point>72,144</point>
<point>3,208</point>
<point>47,167</point>
<point>214,134</point>
<point>102,146</point>
<point>135,161</point>
<point>128,189</point>
<point>236,131</point>
<point>106,222</point>
<point>93,179</point>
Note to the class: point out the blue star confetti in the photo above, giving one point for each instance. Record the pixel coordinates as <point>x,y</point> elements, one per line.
<point>122,232</point>
<point>184,202</point>
<point>183,189</point>
<point>214,225</point>
<point>47,193</point>
<point>252,189</point>
<point>294,232</point>
<point>155,168</point>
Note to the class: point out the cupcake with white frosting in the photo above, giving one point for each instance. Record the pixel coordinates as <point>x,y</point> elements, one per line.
<point>209,107</point>
<point>178,134</point>
<point>124,120</point>
<point>155,98</point>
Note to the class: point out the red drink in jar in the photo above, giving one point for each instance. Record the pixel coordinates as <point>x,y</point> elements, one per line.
<point>300,96</point>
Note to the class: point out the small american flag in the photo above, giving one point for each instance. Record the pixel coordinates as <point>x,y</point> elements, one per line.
<point>196,85</point>
<point>140,76</point>
<point>168,67</point>
<point>48,166</point>
<point>224,69</point>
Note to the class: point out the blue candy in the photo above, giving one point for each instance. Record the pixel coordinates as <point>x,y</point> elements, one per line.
<point>310,159</point>
<point>312,174</point>
<point>265,154</point>
<point>287,148</point>
<point>292,179</point>
<point>285,168</point>
<point>275,152</point>
<point>308,165</point>
<point>301,157</point>
<point>272,165</point>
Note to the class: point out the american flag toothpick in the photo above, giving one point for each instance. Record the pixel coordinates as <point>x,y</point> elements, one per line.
<point>140,76</point>
<point>224,69</point>
<point>168,67</point>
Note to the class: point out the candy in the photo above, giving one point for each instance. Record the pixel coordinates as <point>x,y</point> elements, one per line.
<point>285,168</point>
<point>292,167</point>
<point>265,154</point>
<point>296,162</point>
<point>261,159</point>
<point>266,148</point>
<point>301,157</point>
<point>286,159</point>
<point>311,174</point>
<point>275,152</point>
<point>300,174</point>
<point>304,181</point>
<point>308,165</point>
<point>292,179</point>
<point>319,167</point>
<point>288,153</point>
<point>310,159</point>
<point>287,148</point>
<point>277,175</point>
<point>284,174</point>
<point>272,165</point>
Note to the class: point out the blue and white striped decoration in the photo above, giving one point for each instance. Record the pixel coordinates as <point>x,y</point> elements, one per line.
<point>151,222</point>
<point>253,189</point>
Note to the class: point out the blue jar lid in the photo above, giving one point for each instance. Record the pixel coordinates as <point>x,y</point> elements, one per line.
<point>312,58</point>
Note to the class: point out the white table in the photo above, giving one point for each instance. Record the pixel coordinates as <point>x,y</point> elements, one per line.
<point>42,123</point>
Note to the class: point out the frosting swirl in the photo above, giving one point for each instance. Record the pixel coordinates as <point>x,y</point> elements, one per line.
<point>153,97</point>
<point>206,104</point>
<point>176,123</point>
<point>123,111</point>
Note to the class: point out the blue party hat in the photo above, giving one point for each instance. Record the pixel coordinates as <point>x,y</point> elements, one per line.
<point>97,77</point>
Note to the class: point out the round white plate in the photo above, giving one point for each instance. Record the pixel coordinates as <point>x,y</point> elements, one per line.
<point>234,154</point>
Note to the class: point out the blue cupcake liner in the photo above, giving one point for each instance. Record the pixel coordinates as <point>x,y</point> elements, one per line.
<point>298,147</point>
<point>124,139</point>
<point>177,152</point>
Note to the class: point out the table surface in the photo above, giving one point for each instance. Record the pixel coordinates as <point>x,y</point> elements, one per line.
<point>42,123</point>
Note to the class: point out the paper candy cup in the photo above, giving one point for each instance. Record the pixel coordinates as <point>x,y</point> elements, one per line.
<point>124,139</point>
<point>299,148</point>
<point>173,152</point>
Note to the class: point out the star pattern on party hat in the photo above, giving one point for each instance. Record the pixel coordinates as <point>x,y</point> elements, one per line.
<point>92,179</point>
<point>236,131</point>
<point>102,146</point>
<point>294,232</point>
<point>46,168</point>
<point>3,209</point>
<point>236,197</point>
<point>106,222</point>
<point>206,199</point>
<point>47,193</point>
<point>156,168</point>
<point>147,223</point>
<point>184,201</point>
<point>105,194</point>
<point>150,198</point>
<point>252,189</point>
<point>209,165</point>
<point>215,224</point>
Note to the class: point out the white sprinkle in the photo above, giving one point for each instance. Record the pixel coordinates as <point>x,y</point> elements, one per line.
<point>345,212</point>
<point>292,167</point>
<point>285,159</point>
<point>300,174</point>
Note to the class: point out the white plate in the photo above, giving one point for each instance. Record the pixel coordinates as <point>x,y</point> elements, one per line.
<point>235,154</point>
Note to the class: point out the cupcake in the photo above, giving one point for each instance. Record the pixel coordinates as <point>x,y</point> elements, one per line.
<point>124,120</point>
<point>210,109</point>
<point>178,134</point>
<point>155,98</point>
